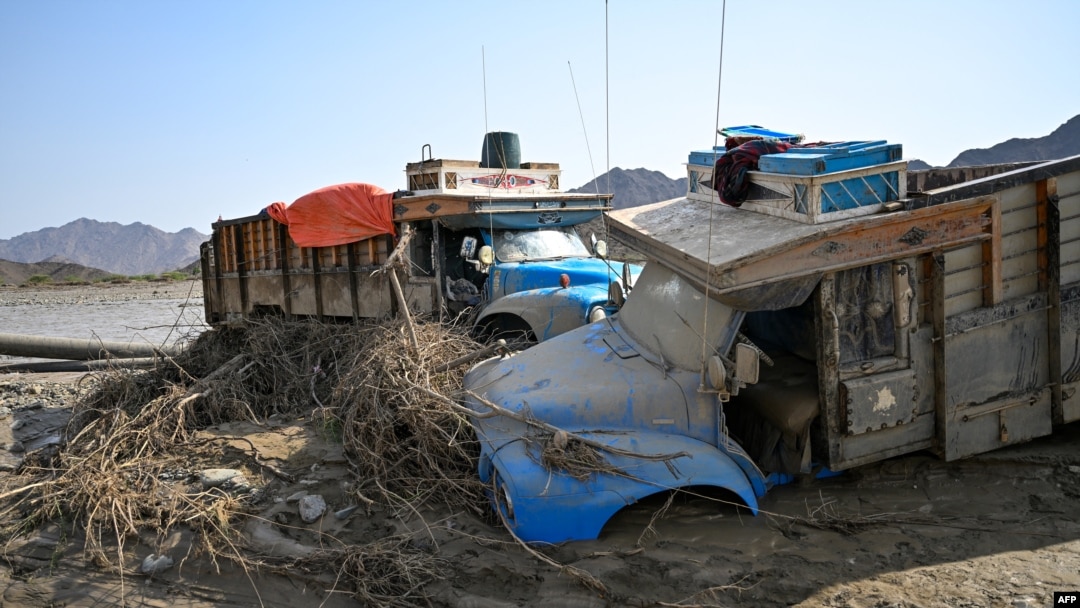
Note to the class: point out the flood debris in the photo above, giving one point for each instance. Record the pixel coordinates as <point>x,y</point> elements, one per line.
<point>114,473</point>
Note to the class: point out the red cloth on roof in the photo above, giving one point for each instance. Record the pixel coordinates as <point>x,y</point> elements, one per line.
<point>336,215</point>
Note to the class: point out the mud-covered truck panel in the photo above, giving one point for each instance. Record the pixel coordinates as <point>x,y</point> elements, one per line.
<point>946,320</point>
<point>949,324</point>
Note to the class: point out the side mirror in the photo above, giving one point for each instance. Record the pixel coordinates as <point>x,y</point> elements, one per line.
<point>486,255</point>
<point>615,294</point>
<point>600,249</point>
<point>747,362</point>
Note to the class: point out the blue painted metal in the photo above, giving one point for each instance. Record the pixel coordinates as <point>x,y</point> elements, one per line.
<point>506,216</point>
<point>553,507</point>
<point>641,407</point>
<point>758,131</point>
<point>856,192</point>
<point>706,158</point>
<point>830,158</point>
<point>551,311</point>
<point>777,478</point>
<point>541,274</point>
<point>531,290</point>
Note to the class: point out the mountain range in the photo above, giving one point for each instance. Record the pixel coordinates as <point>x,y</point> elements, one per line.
<point>133,249</point>
<point>141,249</point>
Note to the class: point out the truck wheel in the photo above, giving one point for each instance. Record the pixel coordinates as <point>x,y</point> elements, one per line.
<point>514,330</point>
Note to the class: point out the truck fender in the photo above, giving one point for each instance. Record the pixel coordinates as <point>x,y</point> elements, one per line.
<point>549,311</point>
<point>547,506</point>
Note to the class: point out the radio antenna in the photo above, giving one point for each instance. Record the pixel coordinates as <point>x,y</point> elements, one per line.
<point>483,69</point>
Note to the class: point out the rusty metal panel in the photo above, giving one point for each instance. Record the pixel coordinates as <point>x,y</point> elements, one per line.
<point>997,378</point>
<point>1070,352</point>
<point>974,429</point>
<point>881,401</point>
<point>996,351</point>
<point>917,431</point>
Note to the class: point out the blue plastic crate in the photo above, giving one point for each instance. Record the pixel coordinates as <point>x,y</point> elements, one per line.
<point>830,158</point>
<point>706,158</point>
<point>758,131</point>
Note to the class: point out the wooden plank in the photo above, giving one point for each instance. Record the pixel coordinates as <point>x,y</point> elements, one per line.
<point>997,183</point>
<point>284,251</point>
<point>241,270</point>
<point>1050,272</point>
<point>1044,191</point>
<point>430,206</point>
<point>833,407</point>
<point>437,269</point>
<point>859,243</point>
<point>316,266</point>
<point>991,257</point>
<point>937,320</point>
<point>354,287</point>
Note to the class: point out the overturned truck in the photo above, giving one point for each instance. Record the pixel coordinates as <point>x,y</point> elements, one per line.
<point>802,334</point>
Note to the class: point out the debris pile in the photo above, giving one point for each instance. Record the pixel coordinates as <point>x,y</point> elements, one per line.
<point>122,470</point>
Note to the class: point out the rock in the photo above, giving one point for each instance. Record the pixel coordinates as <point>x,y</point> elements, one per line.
<point>1074,469</point>
<point>34,389</point>
<point>212,478</point>
<point>18,424</point>
<point>16,447</point>
<point>297,496</point>
<point>5,411</point>
<point>238,484</point>
<point>154,564</point>
<point>311,508</point>
<point>347,511</point>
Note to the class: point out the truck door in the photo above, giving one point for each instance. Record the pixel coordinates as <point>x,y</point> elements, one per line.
<point>873,401</point>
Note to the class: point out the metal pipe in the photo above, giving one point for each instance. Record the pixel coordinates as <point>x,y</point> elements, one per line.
<point>18,345</point>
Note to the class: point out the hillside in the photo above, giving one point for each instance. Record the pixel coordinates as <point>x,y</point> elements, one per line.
<point>1061,143</point>
<point>634,187</point>
<point>16,273</point>
<point>129,250</point>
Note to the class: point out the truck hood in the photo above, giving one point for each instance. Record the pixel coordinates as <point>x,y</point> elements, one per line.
<point>593,377</point>
<point>512,277</point>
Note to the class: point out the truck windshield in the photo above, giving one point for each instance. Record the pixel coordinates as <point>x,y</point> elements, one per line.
<point>545,243</point>
<point>666,312</point>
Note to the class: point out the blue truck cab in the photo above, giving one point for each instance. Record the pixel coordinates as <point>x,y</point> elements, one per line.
<point>505,247</point>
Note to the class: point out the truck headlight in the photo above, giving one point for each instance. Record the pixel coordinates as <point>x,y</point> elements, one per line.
<point>596,314</point>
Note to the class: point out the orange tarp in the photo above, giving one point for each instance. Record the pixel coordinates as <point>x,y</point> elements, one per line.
<point>337,215</point>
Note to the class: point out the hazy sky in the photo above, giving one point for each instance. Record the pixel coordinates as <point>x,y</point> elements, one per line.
<point>172,113</point>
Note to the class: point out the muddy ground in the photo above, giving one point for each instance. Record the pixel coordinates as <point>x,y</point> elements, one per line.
<point>1001,529</point>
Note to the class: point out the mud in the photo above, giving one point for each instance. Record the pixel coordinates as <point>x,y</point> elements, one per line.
<point>1002,529</point>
